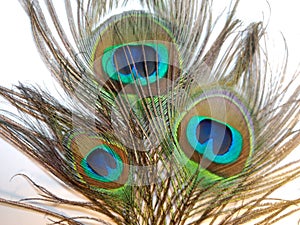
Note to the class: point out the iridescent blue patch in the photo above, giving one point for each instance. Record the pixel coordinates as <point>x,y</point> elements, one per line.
<point>215,140</point>
<point>103,164</point>
<point>140,63</point>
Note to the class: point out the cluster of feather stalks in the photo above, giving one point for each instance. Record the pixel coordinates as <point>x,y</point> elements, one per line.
<point>234,59</point>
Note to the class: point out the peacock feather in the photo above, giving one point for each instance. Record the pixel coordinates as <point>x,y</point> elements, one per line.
<point>169,114</point>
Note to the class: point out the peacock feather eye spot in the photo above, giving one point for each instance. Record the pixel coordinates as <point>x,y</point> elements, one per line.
<point>216,133</point>
<point>141,57</point>
<point>221,135</point>
<point>98,163</point>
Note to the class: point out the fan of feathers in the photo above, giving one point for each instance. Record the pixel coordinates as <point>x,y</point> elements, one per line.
<point>168,115</point>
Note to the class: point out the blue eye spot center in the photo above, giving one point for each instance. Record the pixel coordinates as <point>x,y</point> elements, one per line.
<point>219,133</point>
<point>100,160</point>
<point>103,164</point>
<point>141,58</point>
<point>215,140</point>
<point>142,64</point>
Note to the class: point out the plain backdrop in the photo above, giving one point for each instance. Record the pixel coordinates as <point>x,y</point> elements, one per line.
<point>20,61</point>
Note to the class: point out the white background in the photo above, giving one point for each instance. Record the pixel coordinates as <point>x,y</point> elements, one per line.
<point>19,60</point>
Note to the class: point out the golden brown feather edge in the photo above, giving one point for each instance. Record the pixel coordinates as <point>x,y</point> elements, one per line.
<point>165,120</point>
